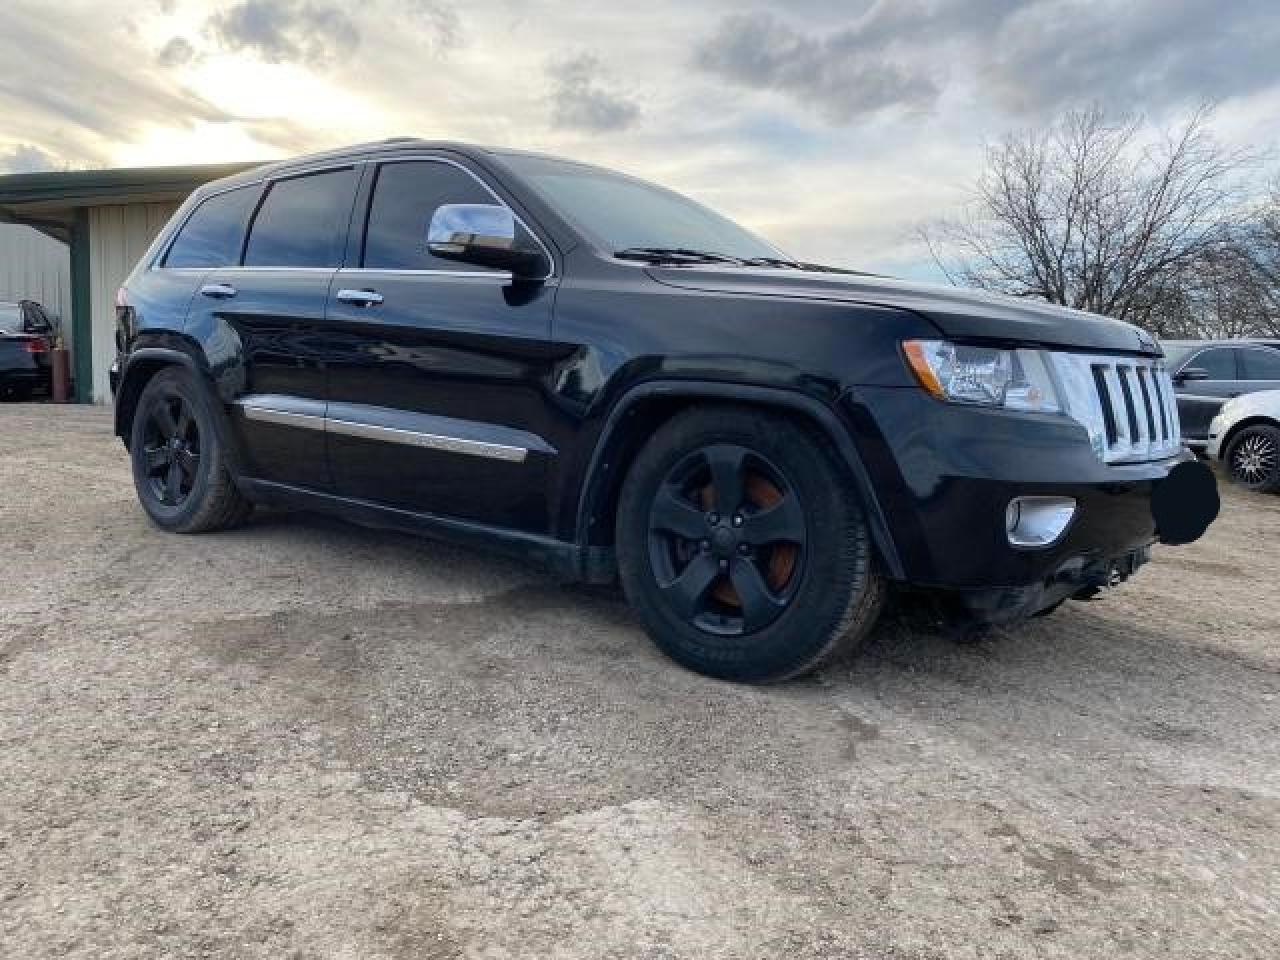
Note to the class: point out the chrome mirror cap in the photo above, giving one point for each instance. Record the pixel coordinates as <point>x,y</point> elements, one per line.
<point>458,226</point>
<point>484,234</point>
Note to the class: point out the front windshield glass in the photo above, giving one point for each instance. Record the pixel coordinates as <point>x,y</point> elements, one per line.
<point>622,213</point>
<point>1174,352</point>
<point>10,318</point>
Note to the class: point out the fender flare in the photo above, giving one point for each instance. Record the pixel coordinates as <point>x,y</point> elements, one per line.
<point>776,397</point>
<point>140,359</point>
<point>146,358</point>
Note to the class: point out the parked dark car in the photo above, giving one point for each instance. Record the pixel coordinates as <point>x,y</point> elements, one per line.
<point>26,337</point>
<point>600,374</point>
<point>1208,373</point>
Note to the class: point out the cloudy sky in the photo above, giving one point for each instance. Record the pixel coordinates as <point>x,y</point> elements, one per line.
<point>831,126</point>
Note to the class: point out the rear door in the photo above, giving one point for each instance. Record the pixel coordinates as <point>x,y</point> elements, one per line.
<point>438,379</point>
<point>263,318</point>
<point>1200,400</point>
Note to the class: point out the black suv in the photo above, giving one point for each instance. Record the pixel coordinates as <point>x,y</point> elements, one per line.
<point>598,373</point>
<point>1208,373</point>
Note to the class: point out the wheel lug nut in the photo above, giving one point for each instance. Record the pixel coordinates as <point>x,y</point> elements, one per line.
<point>744,549</point>
<point>724,564</point>
<point>705,545</point>
<point>713,518</point>
<point>737,519</point>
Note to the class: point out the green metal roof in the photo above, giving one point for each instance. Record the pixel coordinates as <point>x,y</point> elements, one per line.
<point>48,201</point>
<point>93,187</point>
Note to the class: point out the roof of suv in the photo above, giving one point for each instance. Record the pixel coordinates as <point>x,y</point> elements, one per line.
<point>360,150</point>
<point>1228,342</point>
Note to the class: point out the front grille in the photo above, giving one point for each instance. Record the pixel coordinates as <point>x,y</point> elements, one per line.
<point>1126,403</point>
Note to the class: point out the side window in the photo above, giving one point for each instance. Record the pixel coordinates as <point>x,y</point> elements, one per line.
<point>1220,364</point>
<point>37,320</point>
<point>404,198</point>
<point>303,221</point>
<point>1261,363</point>
<point>211,236</point>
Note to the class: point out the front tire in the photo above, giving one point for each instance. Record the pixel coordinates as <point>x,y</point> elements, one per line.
<point>180,466</point>
<point>1253,459</point>
<point>742,548</point>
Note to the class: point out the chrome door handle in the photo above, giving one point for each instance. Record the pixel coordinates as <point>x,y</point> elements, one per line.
<point>361,298</point>
<point>219,291</point>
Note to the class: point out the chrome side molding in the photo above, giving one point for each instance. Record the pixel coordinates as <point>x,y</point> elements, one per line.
<point>367,422</point>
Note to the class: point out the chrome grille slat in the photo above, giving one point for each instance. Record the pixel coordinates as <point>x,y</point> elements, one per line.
<point>1125,402</point>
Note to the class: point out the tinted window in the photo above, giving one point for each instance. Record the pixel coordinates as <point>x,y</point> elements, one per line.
<point>1219,364</point>
<point>1260,364</point>
<point>621,212</point>
<point>37,320</point>
<point>211,236</point>
<point>404,198</point>
<point>303,222</point>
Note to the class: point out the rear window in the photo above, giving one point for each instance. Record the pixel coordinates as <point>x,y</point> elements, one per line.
<point>211,236</point>
<point>10,318</point>
<point>1261,363</point>
<point>303,221</point>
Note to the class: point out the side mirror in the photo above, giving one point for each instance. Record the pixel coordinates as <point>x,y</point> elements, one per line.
<point>483,234</point>
<point>1191,373</point>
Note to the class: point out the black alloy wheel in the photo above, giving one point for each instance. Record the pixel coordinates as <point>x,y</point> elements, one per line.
<point>1253,459</point>
<point>171,448</point>
<point>742,547</point>
<point>180,468</point>
<point>726,539</point>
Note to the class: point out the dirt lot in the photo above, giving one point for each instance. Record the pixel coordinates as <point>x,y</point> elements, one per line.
<point>303,739</point>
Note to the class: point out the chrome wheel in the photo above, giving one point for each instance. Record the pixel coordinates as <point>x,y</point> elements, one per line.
<point>1254,459</point>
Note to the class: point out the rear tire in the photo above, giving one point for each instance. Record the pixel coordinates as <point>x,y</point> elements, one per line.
<point>180,467</point>
<point>742,549</point>
<point>1253,459</point>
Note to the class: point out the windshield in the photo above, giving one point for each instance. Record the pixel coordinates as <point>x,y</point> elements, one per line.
<point>621,213</point>
<point>1175,352</point>
<point>10,318</point>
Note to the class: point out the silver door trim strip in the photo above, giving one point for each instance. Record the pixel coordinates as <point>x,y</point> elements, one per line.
<point>308,414</point>
<point>432,441</point>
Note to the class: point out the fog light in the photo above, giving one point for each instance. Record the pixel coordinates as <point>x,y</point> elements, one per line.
<point>1038,521</point>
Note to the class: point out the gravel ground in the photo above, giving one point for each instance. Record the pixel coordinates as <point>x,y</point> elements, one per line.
<point>303,739</point>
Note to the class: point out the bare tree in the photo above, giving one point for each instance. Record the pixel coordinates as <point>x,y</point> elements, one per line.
<point>1097,214</point>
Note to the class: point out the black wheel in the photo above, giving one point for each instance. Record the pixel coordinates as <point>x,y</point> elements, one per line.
<point>179,466</point>
<point>1253,458</point>
<point>741,548</point>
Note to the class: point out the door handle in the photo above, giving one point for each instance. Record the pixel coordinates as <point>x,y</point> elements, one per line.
<point>361,298</point>
<point>220,291</point>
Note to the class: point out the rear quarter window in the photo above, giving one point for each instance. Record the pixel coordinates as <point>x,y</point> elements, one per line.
<point>212,235</point>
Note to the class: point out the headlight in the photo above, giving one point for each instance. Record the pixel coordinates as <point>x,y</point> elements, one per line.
<point>992,377</point>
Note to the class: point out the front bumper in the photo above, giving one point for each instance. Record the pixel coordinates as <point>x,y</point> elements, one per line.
<point>945,474</point>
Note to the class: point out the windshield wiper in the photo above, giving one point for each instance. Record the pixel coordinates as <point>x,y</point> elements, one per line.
<point>780,262</point>
<point>676,255</point>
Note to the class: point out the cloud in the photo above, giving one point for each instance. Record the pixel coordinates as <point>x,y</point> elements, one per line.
<point>91,88</point>
<point>844,74</point>
<point>1020,57</point>
<point>24,158</point>
<point>286,31</point>
<point>1133,54</point>
<point>580,100</point>
<point>177,52</point>
<point>438,19</point>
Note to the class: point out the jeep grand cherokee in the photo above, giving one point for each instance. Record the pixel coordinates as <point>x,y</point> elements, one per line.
<point>603,375</point>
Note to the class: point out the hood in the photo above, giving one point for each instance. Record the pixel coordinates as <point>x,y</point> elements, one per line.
<point>958,313</point>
